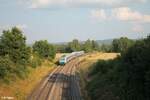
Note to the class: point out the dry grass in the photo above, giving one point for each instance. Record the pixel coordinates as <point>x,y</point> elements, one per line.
<point>89,59</point>
<point>102,56</point>
<point>21,88</point>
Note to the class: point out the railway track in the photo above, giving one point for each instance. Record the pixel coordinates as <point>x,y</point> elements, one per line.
<point>40,88</point>
<point>61,84</point>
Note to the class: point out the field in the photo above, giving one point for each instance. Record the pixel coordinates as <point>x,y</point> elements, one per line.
<point>100,55</point>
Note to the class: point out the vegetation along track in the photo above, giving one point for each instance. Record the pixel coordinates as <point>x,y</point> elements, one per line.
<point>61,84</point>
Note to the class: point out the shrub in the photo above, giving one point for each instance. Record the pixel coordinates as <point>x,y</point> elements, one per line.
<point>35,61</point>
<point>6,67</point>
<point>21,71</point>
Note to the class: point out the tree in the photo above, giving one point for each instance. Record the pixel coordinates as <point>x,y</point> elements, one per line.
<point>52,52</point>
<point>122,44</point>
<point>44,49</point>
<point>74,45</point>
<point>95,45</point>
<point>87,47</point>
<point>137,67</point>
<point>115,45</point>
<point>106,48</point>
<point>13,44</point>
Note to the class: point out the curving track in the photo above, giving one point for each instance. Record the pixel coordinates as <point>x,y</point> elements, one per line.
<point>61,84</point>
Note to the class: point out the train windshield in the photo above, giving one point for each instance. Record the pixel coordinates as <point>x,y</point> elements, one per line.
<point>62,59</point>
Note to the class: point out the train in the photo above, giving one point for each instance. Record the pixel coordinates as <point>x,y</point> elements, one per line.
<point>66,58</point>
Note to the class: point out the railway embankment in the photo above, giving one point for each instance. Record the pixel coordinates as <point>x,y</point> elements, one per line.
<point>20,88</point>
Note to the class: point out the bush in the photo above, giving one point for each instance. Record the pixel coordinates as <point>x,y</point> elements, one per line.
<point>103,84</point>
<point>6,67</point>
<point>101,67</point>
<point>36,61</point>
<point>21,71</point>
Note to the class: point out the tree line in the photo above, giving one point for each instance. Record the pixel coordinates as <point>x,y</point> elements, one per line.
<point>76,45</point>
<point>117,45</point>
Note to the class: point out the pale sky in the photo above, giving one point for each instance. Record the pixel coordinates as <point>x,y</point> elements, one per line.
<point>64,20</point>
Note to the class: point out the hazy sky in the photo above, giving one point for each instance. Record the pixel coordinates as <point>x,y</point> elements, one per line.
<point>64,20</point>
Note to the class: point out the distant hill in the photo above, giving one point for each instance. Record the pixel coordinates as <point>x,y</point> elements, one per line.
<point>107,41</point>
<point>100,42</point>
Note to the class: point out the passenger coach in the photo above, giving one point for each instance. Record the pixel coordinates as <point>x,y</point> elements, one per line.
<point>66,58</point>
